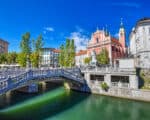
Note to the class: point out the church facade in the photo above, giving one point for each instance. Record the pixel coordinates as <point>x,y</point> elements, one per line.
<point>101,39</point>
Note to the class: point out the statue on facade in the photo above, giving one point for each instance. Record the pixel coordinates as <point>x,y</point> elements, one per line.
<point>93,55</point>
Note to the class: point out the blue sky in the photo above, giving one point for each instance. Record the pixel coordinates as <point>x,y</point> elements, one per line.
<point>60,19</point>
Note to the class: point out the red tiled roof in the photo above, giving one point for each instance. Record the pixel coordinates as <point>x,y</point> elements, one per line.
<point>81,52</point>
<point>56,50</point>
<point>115,40</point>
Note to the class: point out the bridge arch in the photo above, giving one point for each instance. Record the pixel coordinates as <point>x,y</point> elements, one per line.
<point>33,76</point>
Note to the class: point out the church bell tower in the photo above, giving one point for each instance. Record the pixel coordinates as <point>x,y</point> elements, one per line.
<point>122,36</point>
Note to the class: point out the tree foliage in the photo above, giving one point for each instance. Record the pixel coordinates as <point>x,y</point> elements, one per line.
<point>61,55</point>
<point>102,57</point>
<point>104,86</point>
<point>25,44</point>
<point>11,58</point>
<point>38,43</point>
<point>30,50</point>
<point>72,53</point>
<point>87,60</point>
<point>34,57</point>
<point>3,58</point>
<point>67,54</point>
<point>21,59</point>
<point>8,58</point>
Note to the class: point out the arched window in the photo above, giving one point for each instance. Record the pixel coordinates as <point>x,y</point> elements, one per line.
<point>97,40</point>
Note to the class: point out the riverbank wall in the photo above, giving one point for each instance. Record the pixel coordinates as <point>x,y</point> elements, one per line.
<point>126,93</point>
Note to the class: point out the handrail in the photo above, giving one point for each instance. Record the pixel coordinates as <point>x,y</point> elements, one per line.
<point>15,81</point>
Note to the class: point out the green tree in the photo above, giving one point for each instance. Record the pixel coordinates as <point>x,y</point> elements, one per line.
<point>87,60</point>
<point>103,57</point>
<point>22,59</point>
<point>67,54</point>
<point>39,43</point>
<point>11,58</point>
<point>3,58</point>
<point>61,56</point>
<point>8,57</point>
<point>34,57</point>
<point>36,47</point>
<point>72,53</point>
<point>26,50</point>
<point>25,44</point>
<point>30,52</point>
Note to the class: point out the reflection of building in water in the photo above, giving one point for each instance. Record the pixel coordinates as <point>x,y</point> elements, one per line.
<point>43,85</point>
<point>102,39</point>
<point>8,97</point>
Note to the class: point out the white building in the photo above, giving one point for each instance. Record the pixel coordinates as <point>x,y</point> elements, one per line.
<point>80,56</point>
<point>49,57</point>
<point>140,43</point>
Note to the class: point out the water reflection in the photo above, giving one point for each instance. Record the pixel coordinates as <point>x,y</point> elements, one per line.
<point>43,84</point>
<point>68,105</point>
<point>8,97</point>
<point>106,108</point>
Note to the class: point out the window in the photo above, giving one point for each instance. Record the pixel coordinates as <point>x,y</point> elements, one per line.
<point>113,48</point>
<point>121,34</point>
<point>97,40</point>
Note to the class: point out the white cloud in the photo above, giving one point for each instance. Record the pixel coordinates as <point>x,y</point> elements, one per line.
<point>127,4</point>
<point>79,29</point>
<point>48,29</point>
<point>80,40</point>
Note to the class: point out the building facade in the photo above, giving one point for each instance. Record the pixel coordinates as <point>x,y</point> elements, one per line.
<point>102,39</point>
<point>80,56</point>
<point>3,46</point>
<point>56,53</point>
<point>49,57</point>
<point>140,43</point>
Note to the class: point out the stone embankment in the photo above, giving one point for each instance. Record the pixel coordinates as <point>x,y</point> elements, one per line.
<point>133,94</point>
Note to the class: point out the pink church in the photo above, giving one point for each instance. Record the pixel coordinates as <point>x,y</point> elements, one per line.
<point>102,39</point>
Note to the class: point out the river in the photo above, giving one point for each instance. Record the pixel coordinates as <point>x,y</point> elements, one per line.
<point>59,104</point>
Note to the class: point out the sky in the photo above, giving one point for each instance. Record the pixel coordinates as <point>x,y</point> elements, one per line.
<point>57,20</point>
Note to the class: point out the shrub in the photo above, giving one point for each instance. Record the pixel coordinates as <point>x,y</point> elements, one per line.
<point>104,86</point>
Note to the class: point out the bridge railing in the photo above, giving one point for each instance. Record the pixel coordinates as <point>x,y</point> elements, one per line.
<point>15,81</point>
<point>10,73</point>
<point>106,69</point>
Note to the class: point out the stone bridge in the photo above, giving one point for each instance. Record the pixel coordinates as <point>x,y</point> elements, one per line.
<point>18,78</point>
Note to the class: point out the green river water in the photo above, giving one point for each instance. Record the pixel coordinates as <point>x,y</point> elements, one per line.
<point>59,104</point>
